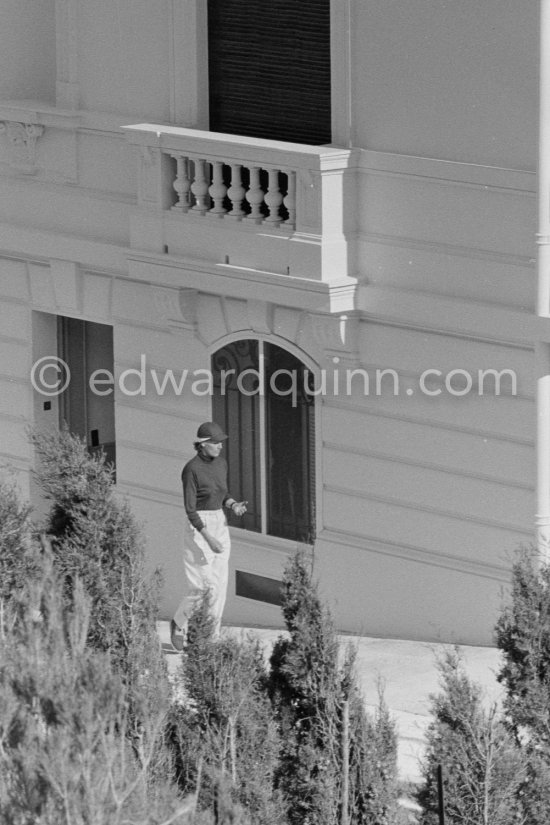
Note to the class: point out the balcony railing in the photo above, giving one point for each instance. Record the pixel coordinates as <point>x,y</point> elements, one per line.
<point>211,187</point>
<point>217,186</point>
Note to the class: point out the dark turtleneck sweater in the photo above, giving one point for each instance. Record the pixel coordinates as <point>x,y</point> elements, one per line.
<point>204,482</point>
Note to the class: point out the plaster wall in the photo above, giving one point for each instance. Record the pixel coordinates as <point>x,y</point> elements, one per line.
<point>27,50</point>
<point>447,79</point>
<point>123,52</point>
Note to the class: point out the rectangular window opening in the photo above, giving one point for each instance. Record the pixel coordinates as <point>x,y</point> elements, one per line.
<point>269,69</point>
<point>258,588</point>
<point>88,410</point>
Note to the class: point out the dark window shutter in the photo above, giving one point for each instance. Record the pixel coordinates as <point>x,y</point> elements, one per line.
<point>269,69</point>
<point>289,435</point>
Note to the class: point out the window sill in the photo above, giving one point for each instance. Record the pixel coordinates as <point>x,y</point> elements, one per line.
<point>270,543</point>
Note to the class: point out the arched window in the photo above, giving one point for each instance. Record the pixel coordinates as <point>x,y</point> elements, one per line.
<point>261,398</point>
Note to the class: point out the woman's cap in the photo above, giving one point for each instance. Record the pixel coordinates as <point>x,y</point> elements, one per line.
<point>210,431</point>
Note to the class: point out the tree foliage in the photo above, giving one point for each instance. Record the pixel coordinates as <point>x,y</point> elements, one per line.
<point>482,768</point>
<point>523,635</point>
<point>309,691</point>
<point>94,538</point>
<point>68,755</point>
<point>18,553</point>
<point>225,736</point>
<point>83,686</point>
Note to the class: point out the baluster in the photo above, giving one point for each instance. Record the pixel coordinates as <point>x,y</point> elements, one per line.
<point>182,183</point>
<point>273,197</point>
<point>199,188</point>
<point>218,189</point>
<point>255,195</point>
<point>289,199</point>
<point>236,192</point>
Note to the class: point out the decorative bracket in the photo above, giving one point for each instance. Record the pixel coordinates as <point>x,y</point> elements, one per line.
<point>177,307</point>
<point>21,139</point>
<point>330,338</point>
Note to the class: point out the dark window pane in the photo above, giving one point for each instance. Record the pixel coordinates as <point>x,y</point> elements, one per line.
<point>86,347</point>
<point>269,69</point>
<point>238,413</point>
<point>289,437</point>
<point>259,588</point>
<point>290,455</point>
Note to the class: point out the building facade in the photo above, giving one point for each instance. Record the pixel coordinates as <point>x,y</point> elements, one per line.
<point>314,223</point>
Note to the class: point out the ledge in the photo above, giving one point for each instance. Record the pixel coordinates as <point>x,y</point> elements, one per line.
<point>236,282</point>
<point>33,111</point>
<point>238,147</point>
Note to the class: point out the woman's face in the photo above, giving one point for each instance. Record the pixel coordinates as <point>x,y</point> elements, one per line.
<point>211,449</point>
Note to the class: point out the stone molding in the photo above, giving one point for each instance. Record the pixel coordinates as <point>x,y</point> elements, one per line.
<point>176,307</point>
<point>21,139</point>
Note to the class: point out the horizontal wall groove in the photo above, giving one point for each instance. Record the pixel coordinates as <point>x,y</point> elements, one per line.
<point>342,403</point>
<point>160,369</point>
<point>23,381</point>
<point>151,449</point>
<point>520,182</point>
<point>156,409</point>
<point>419,555</point>
<point>11,461</point>
<point>73,188</point>
<point>15,419</point>
<point>148,492</point>
<point>427,508</point>
<point>455,250</point>
<point>497,188</point>
<point>86,269</point>
<point>139,324</point>
<point>10,299</point>
<point>11,339</point>
<point>372,369</point>
<point>37,245</point>
<point>426,465</point>
<point>377,317</point>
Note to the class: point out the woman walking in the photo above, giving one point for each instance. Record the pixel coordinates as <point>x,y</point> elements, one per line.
<point>206,535</point>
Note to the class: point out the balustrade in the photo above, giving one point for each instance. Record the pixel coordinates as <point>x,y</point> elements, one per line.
<point>252,210</point>
<point>232,190</point>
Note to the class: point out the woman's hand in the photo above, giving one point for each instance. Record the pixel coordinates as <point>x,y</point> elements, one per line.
<point>215,545</point>
<point>239,507</point>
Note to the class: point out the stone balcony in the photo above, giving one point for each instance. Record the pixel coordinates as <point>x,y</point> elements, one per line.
<point>255,211</point>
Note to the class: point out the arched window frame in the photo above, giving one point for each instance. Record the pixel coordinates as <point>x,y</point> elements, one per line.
<point>314,368</point>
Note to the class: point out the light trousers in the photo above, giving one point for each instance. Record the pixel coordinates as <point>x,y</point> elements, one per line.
<point>204,569</point>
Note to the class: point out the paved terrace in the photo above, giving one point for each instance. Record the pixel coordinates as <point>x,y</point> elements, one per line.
<point>409,673</point>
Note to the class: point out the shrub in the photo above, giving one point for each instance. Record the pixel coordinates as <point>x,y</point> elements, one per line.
<point>310,693</point>
<point>18,555</point>
<point>94,538</point>
<point>65,754</point>
<point>481,766</point>
<point>523,634</point>
<point>223,732</point>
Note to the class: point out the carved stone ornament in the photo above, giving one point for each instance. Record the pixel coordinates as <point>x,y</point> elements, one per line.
<point>176,307</point>
<point>21,140</point>
<point>330,337</point>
